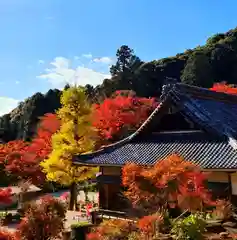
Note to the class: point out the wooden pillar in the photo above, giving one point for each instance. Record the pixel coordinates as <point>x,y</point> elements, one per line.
<point>106,186</point>
<point>230,186</point>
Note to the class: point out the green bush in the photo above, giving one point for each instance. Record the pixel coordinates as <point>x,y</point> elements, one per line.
<point>80,224</point>
<point>189,228</point>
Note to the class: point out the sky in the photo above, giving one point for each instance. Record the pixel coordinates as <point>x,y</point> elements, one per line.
<point>48,43</point>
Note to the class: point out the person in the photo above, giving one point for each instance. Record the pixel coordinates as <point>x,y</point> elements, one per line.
<point>89,207</point>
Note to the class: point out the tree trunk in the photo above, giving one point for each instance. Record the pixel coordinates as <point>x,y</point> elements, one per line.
<point>73,196</point>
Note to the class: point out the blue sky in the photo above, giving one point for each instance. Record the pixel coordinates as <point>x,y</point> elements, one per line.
<point>46,43</point>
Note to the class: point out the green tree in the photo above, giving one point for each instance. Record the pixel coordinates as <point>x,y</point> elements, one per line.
<point>127,61</point>
<point>198,71</point>
<point>76,136</point>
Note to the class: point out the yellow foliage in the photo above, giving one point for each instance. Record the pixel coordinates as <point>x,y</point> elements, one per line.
<point>76,136</point>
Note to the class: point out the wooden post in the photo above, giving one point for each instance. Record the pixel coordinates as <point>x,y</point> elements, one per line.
<point>230,186</point>
<point>106,196</point>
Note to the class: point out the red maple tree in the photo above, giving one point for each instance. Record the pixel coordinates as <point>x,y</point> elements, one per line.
<point>6,196</point>
<point>40,146</point>
<point>23,159</point>
<point>43,220</point>
<point>115,117</point>
<point>224,87</point>
<point>172,180</point>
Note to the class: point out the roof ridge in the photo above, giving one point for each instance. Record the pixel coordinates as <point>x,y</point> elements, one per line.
<point>205,93</point>
<point>172,90</point>
<point>133,135</point>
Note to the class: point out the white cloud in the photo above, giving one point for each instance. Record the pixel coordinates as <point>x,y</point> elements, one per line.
<point>105,60</point>
<point>7,104</point>
<point>76,58</point>
<point>61,73</point>
<point>41,62</point>
<point>88,55</point>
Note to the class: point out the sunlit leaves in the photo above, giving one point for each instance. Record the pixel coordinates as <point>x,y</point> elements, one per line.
<point>75,137</point>
<point>116,117</point>
<point>170,180</point>
<point>224,87</point>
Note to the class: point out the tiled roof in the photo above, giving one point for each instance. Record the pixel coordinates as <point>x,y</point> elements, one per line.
<point>214,112</point>
<point>207,151</point>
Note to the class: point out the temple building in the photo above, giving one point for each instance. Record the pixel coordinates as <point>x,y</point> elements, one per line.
<point>198,124</point>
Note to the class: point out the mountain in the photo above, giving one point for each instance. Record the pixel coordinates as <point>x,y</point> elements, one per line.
<point>215,61</point>
<point>21,123</point>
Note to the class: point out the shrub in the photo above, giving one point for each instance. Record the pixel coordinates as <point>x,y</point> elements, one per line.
<point>223,210</point>
<point>112,229</point>
<point>191,227</point>
<point>7,235</point>
<point>150,225</point>
<point>43,220</point>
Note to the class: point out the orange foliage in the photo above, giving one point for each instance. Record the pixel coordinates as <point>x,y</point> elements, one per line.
<point>112,229</point>
<point>7,235</point>
<point>17,146</point>
<point>149,224</point>
<point>170,180</point>
<point>224,87</point>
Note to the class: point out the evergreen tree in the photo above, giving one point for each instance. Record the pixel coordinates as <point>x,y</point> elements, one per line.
<point>127,61</point>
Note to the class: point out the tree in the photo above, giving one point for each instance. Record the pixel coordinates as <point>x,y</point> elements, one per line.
<point>224,87</point>
<point>118,116</point>
<point>41,145</point>
<point>223,60</point>
<point>7,150</point>
<point>198,71</point>
<point>22,160</point>
<point>127,61</point>
<point>12,158</point>
<point>43,220</point>
<point>6,196</point>
<point>75,137</point>
<point>170,181</point>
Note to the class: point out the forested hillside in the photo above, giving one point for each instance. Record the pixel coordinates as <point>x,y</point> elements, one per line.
<point>202,66</point>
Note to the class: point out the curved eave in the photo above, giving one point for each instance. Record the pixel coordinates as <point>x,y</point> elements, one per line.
<point>123,141</point>
<point>175,92</point>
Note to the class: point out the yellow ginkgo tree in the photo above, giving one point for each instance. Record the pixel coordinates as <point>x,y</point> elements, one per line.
<point>76,136</point>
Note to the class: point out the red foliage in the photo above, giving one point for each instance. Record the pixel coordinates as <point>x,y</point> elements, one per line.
<point>224,87</point>
<point>6,196</point>
<point>7,235</point>
<point>22,159</point>
<point>44,220</point>
<point>93,236</point>
<point>170,180</point>
<point>41,144</point>
<point>149,224</point>
<point>115,117</point>
<point>12,147</point>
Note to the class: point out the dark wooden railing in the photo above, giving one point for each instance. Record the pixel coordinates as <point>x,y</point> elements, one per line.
<point>101,214</point>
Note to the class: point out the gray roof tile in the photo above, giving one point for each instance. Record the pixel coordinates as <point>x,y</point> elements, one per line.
<point>206,150</point>
<point>215,113</point>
